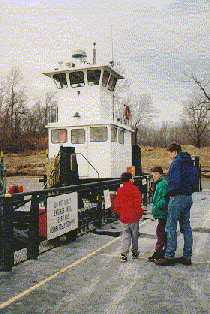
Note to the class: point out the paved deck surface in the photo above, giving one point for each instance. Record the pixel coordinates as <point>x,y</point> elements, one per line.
<point>87,277</point>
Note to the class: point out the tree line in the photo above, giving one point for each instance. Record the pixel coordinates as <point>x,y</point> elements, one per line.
<point>194,126</point>
<point>168,133</point>
<point>23,127</point>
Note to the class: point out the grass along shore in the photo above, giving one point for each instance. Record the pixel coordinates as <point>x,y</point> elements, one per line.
<point>33,163</point>
<point>155,156</point>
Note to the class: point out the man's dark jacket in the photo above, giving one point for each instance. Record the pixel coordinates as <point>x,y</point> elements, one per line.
<point>183,175</point>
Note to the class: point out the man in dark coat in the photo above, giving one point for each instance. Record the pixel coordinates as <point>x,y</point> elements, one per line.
<point>183,177</point>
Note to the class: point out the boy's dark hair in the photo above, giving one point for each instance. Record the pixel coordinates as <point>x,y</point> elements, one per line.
<point>126,176</point>
<point>174,147</point>
<point>157,169</point>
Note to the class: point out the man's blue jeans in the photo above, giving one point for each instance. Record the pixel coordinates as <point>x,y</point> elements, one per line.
<point>179,210</point>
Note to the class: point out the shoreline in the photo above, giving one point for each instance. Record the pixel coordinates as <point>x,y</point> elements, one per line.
<point>33,163</point>
<point>41,174</point>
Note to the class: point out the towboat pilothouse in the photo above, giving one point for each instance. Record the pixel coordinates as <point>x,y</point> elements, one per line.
<point>86,119</point>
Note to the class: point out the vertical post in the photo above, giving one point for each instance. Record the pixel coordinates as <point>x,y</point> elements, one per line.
<point>149,189</point>
<point>33,237</point>
<point>144,191</point>
<point>1,230</point>
<point>2,175</point>
<point>200,186</point>
<point>100,206</point>
<point>197,165</point>
<point>7,234</point>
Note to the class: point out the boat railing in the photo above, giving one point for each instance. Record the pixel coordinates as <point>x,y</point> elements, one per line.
<point>73,155</point>
<point>24,217</point>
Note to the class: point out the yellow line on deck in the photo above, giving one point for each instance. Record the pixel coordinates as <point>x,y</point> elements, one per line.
<point>41,283</point>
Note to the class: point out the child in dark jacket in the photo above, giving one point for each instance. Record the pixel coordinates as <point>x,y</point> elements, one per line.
<point>127,205</point>
<point>159,211</point>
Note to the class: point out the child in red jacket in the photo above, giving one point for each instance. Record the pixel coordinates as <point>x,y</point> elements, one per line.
<point>127,205</point>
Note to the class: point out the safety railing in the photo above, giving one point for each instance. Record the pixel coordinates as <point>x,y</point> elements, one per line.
<point>23,217</point>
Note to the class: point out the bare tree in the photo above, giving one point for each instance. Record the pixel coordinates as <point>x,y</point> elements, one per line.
<point>197,122</point>
<point>13,104</point>
<point>21,127</point>
<point>142,112</point>
<point>203,88</point>
<point>162,136</point>
<point>36,119</point>
<point>140,109</point>
<point>48,106</point>
<point>140,106</point>
<point>40,113</point>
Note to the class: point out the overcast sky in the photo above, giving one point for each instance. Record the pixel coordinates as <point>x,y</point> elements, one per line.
<point>154,41</point>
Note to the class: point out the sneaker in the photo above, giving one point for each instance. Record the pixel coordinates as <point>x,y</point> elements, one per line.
<point>183,260</point>
<point>162,253</point>
<point>123,258</point>
<point>135,255</point>
<point>153,257</point>
<point>165,262</point>
<point>157,255</point>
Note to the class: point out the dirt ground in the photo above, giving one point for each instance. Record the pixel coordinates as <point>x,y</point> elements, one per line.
<point>34,163</point>
<point>155,156</point>
<point>27,163</point>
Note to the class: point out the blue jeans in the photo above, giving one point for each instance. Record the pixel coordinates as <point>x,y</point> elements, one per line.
<point>179,210</point>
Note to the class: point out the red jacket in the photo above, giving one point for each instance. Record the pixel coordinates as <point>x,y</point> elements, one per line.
<point>127,203</point>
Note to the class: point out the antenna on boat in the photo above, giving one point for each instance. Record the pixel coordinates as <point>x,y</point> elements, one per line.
<point>112,46</point>
<point>94,53</point>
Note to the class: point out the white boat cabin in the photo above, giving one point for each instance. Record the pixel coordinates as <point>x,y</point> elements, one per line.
<point>85,118</point>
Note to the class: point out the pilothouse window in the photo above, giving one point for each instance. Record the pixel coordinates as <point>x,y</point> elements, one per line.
<point>78,136</point>
<point>105,78</point>
<point>93,77</point>
<point>77,79</point>
<point>60,80</point>
<point>112,83</point>
<point>113,134</point>
<point>98,134</point>
<point>59,136</point>
<point>121,136</point>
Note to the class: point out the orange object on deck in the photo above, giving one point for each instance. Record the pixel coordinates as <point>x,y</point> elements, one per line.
<point>15,189</point>
<point>42,222</point>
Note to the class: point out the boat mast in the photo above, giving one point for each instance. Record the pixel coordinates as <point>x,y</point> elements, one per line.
<point>112,63</point>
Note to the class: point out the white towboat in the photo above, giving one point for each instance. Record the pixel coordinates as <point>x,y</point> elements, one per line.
<point>85,117</point>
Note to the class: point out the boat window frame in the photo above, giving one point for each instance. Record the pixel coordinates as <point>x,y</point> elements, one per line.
<point>78,129</point>
<point>114,139</point>
<point>80,84</point>
<point>112,83</point>
<point>98,141</point>
<point>90,83</point>
<point>107,79</point>
<point>59,141</point>
<point>121,131</point>
<point>59,82</point>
